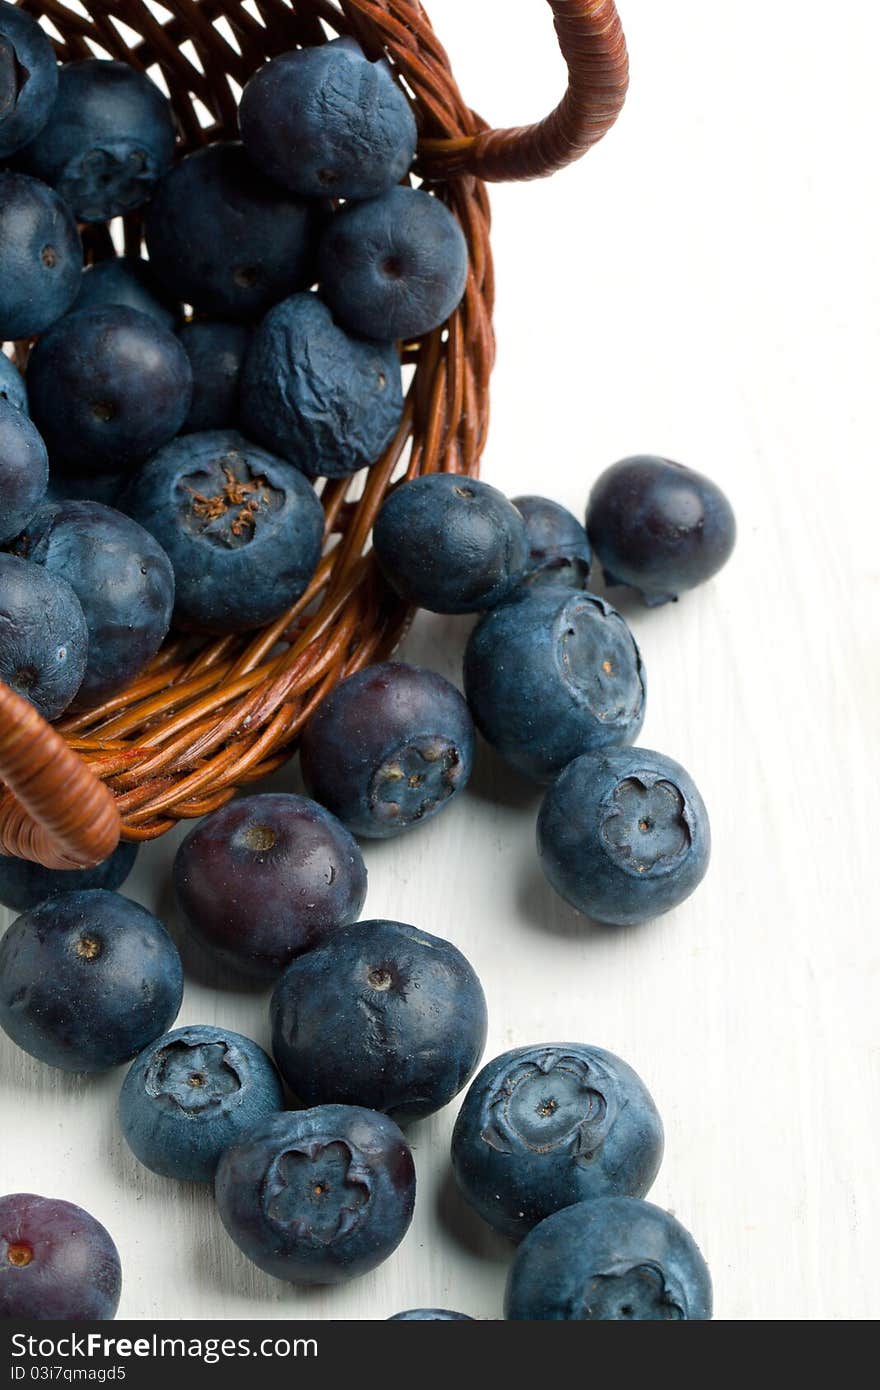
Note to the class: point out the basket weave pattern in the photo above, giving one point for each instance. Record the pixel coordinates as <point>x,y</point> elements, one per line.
<point>202,721</point>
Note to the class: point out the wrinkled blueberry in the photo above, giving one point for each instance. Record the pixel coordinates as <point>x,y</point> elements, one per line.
<point>24,885</point>
<point>28,79</point>
<point>429,1315</point>
<point>623,835</point>
<point>24,470</point>
<point>44,640</point>
<point>87,980</point>
<point>41,257</point>
<point>267,877</point>
<point>659,527</point>
<point>12,385</point>
<point>243,529</point>
<point>108,387</point>
<point>216,353</point>
<point>57,1263</point>
<point>559,551</point>
<point>551,675</point>
<point>108,140</point>
<point>327,402</point>
<point>389,748</point>
<point>450,544</point>
<point>318,1196</point>
<point>122,578</point>
<point>395,266</point>
<point>612,1260</point>
<point>543,1127</point>
<point>326,122</point>
<point>223,238</point>
<point>191,1094</point>
<point>381,1015</point>
<point>125,280</point>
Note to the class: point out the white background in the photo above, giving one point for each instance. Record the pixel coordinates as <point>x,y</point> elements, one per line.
<point>704,285</point>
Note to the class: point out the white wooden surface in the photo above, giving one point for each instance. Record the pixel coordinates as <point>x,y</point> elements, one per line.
<point>704,285</point>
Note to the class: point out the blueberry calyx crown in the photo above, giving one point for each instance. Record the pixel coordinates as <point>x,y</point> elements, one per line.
<point>642,1292</point>
<point>551,1101</point>
<point>647,826</point>
<point>318,1191</point>
<point>193,1077</point>
<point>412,782</point>
<point>599,660</point>
<point>19,1254</point>
<point>229,515</point>
<point>126,170</point>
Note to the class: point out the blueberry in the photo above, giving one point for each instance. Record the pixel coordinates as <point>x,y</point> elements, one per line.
<point>450,544</point>
<point>24,470</point>
<point>216,352</point>
<point>381,1015</point>
<point>325,401</point>
<point>108,140</point>
<point>551,675</point>
<point>191,1094</point>
<point>544,1127</point>
<point>559,551</point>
<point>87,980</point>
<point>388,749</point>
<point>108,387</point>
<point>624,836</point>
<point>659,527</point>
<point>243,529</point>
<point>267,877</point>
<point>57,1263</point>
<point>122,578</point>
<point>44,640</point>
<point>395,266</point>
<point>125,280</point>
<point>223,238</point>
<point>28,79</point>
<point>326,122</point>
<point>24,885</point>
<point>612,1260</point>
<point>41,257</point>
<point>430,1315</point>
<point>318,1196</point>
<point>12,385</point>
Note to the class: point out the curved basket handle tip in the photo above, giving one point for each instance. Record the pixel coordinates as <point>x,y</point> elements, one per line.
<point>55,811</point>
<point>593,45</point>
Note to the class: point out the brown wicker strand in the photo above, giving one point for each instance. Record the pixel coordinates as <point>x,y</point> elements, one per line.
<point>594,47</point>
<point>56,791</point>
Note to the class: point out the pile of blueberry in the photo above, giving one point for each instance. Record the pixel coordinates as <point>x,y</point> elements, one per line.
<point>156,464</point>
<point>179,457</point>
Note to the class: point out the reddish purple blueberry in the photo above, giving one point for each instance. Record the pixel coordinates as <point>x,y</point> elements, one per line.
<point>267,877</point>
<point>388,749</point>
<point>57,1263</point>
<point>659,527</point>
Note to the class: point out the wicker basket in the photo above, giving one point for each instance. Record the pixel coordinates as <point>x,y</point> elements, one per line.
<point>198,724</point>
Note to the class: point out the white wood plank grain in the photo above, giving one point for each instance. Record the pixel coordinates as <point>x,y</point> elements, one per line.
<point>704,285</point>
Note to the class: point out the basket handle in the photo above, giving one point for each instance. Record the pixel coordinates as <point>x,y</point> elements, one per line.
<point>55,811</point>
<point>591,38</point>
